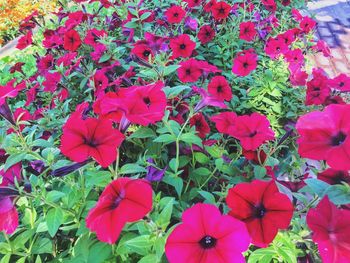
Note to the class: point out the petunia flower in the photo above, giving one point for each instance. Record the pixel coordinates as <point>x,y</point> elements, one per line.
<point>119,203</point>
<point>25,41</point>
<point>331,231</point>
<point>244,63</point>
<point>189,70</point>
<point>252,130</point>
<point>207,236</point>
<point>182,46</point>
<point>193,3</point>
<point>154,174</point>
<point>8,211</point>
<point>332,176</point>
<point>325,135</point>
<point>91,137</point>
<point>247,31</point>
<point>340,82</point>
<point>263,209</point>
<point>220,88</point>
<point>206,34</point>
<point>201,125</point>
<point>224,121</point>
<point>220,10</point>
<point>71,40</point>
<point>175,14</point>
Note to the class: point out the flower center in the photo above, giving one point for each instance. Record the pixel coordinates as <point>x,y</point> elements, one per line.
<point>222,11</point>
<point>207,242</point>
<point>118,199</point>
<point>252,134</point>
<point>338,139</point>
<point>146,53</point>
<point>176,14</point>
<point>182,46</point>
<point>259,211</point>
<point>245,65</point>
<point>147,101</point>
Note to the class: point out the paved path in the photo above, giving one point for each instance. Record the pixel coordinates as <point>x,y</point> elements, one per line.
<point>333,17</point>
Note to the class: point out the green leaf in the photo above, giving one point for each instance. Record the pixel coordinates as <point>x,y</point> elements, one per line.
<point>13,159</point>
<point>132,168</point>
<point>164,217</point>
<point>143,132</point>
<point>172,92</point>
<point>42,246</point>
<point>165,138</point>
<point>209,197</point>
<point>191,138</point>
<point>149,259</point>
<point>54,218</point>
<point>53,196</point>
<point>140,245</point>
<point>339,194</point>
<point>170,69</point>
<point>317,186</point>
<point>97,178</point>
<point>99,253</point>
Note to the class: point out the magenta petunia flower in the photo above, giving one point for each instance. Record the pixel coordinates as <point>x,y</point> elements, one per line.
<point>119,203</point>
<point>207,236</point>
<point>331,231</point>
<point>262,207</point>
<point>182,46</point>
<point>244,63</point>
<point>325,135</point>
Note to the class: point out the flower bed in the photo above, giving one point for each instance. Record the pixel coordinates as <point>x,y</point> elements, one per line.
<point>173,131</point>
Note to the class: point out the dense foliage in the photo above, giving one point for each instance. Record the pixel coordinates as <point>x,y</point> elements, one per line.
<point>173,131</point>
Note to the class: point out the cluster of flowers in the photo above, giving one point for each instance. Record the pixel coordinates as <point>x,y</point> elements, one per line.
<point>99,70</point>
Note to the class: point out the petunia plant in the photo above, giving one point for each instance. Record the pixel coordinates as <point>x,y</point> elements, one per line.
<point>173,131</point>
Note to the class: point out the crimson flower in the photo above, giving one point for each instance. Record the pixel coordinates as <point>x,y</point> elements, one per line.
<point>175,14</point>
<point>193,3</point>
<point>220,10</point>
<point>247,31</point>
<point>219,88</point>
<point>244,63</point>
<point>307,24</point>
<point>8,211</point>
<point>275,47</point>
<point>332,176</point>
<point>182,46</point>
<point>91,137</point>
<point>206,34</point>
<point>224,121</point>
<point>142,51</point>
<point>207,236</point>
<point>317,90</point>
<point>189,70</point>
<point>25,41</point>
<point>326,136</point>
<point>263,209</point>
<point>119,203</point>
<point>200,124</point>
<point>252,130</point>
<point>331,231</point>
<point>71,40</point>
<point>270,5</point>
<point>340,82</point>
<point>93,35</point>
<point>10,90</point>
<point>142,105</point>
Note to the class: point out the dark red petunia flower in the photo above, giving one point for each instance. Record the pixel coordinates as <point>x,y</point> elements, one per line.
<point>206,34</point>
<point>263,209</point>
<point>71,40</point>
<point>182,46</point>
<point>340,82</point>
<point>252,130</point>
<point>51,81</point>
<point>100,81</point>
<point>247,31</point>
<point>25,41</point>
<point>326,136</point>
<point>220,10</point>
<point>295,58</point>
<point>207,7</point>
<point>175,14</point>
<point>334,100</point>
<point>224,121</point>
<point>244,63</point>
<point>218,87</point>
<point>141,105</point>
<point>119,203</point>
<point>275,47</point>
<point>200,124</point>
<point>93,35</point>
<point>142,51</point>
<point>331,231</point>
<point>332,176</point>
<point>207,236</point>
<point>91,137</point>
<point>193,3</point>
<point>189,70</point>
<point>307,24</point>
<point>270,5</point>
<point>298,77</point>
<point>317,90</point>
